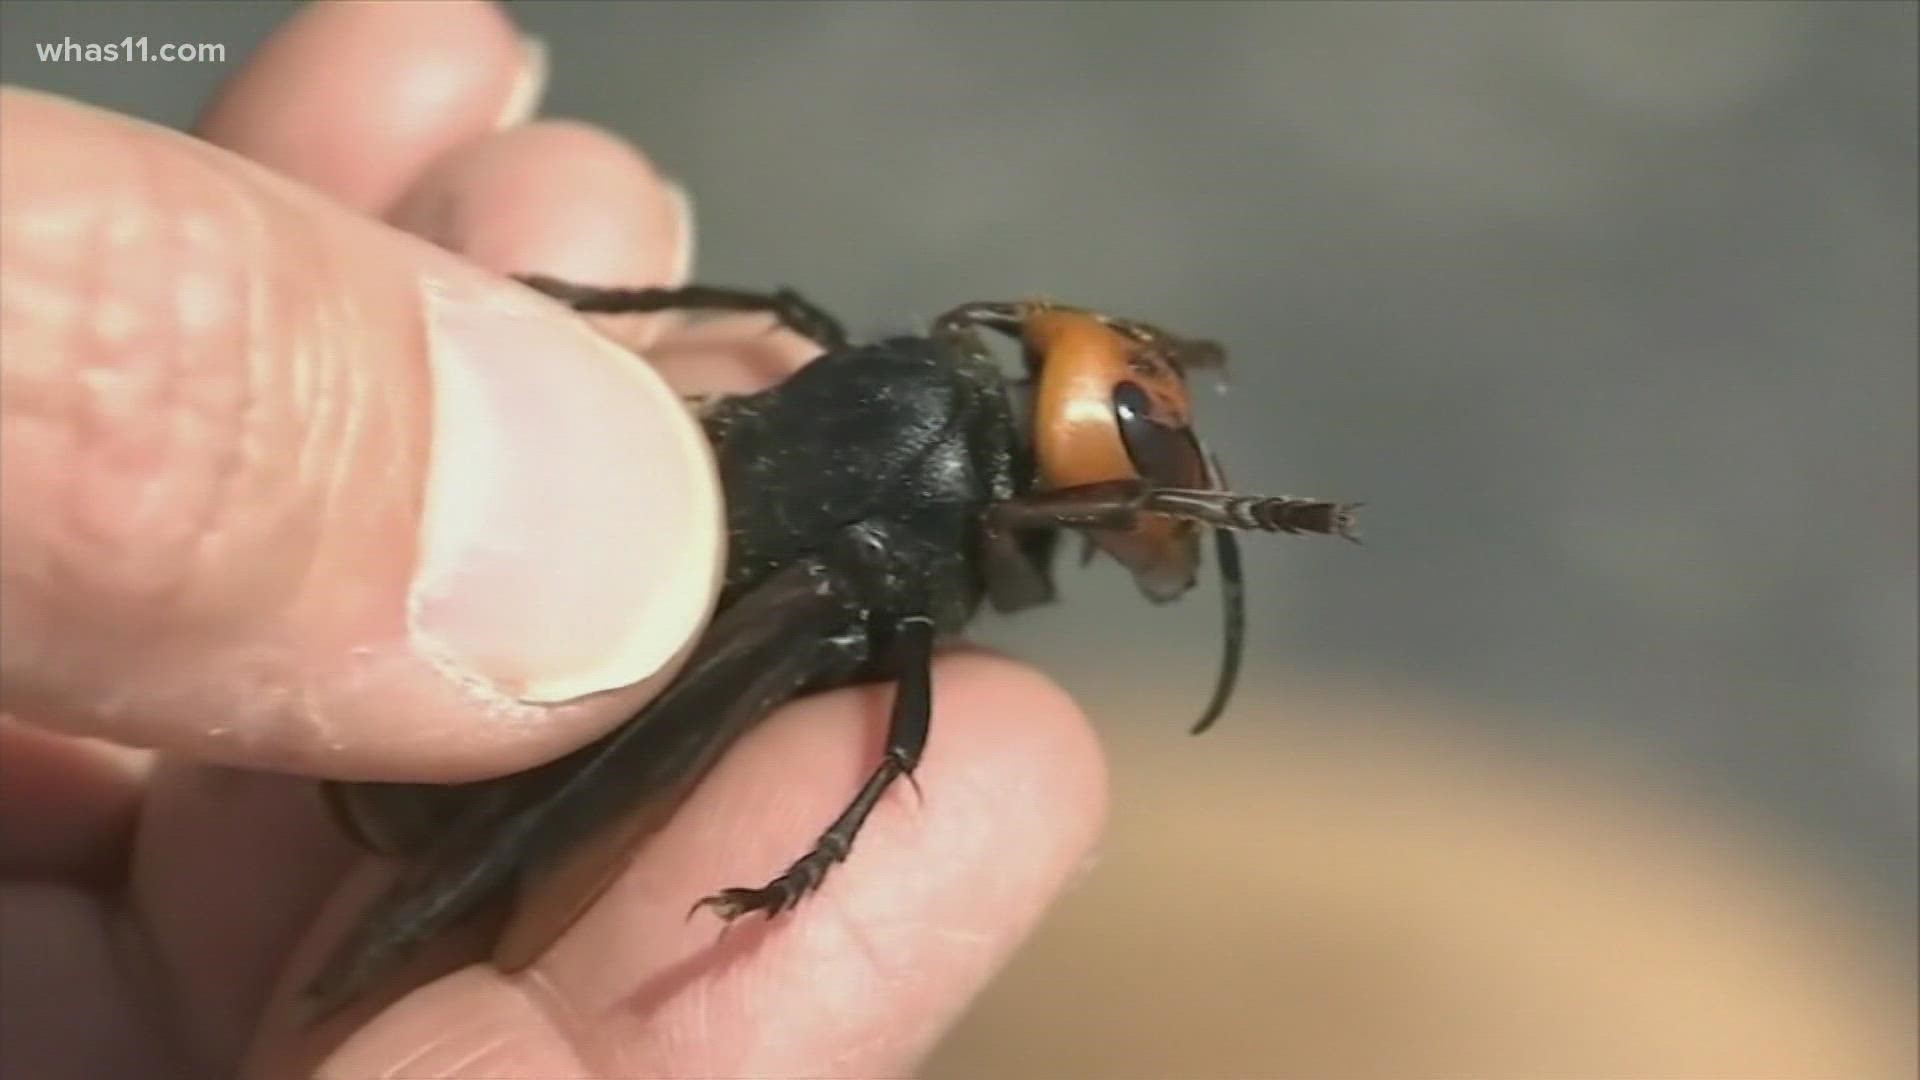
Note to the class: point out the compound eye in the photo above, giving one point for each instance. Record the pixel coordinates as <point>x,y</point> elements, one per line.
<point>1162,453</point>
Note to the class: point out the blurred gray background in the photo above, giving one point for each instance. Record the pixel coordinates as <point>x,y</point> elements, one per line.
<point>1607,311</point>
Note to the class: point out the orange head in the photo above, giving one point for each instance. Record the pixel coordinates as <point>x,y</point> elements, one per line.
<point>1110,403</point>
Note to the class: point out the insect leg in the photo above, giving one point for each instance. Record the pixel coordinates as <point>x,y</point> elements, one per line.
<point>1000,316</point>
<point>1015,579</point>
<point>906,736</point>
<point>1118,504</point>
<point>792,310</point>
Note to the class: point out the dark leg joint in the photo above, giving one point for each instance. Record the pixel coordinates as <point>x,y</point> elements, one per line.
<point>912,647</point>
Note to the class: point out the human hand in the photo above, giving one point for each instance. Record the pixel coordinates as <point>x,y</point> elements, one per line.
<point>288,494</point>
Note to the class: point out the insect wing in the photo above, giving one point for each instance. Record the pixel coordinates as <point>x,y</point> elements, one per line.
<point>562,831</point>
<point>405,820</point>
<point>763,651</point>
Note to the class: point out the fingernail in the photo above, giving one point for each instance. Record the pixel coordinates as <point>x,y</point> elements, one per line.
<point>688,236</point>
<point>572,532</point>
<point>529,85</point>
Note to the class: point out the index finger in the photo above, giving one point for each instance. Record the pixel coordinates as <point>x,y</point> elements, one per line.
<point>358,99</point>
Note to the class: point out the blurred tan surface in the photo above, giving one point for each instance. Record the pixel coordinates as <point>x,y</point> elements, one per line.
<point>1346,886</point>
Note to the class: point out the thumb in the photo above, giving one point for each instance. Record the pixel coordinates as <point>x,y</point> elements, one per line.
<point>282,487</point>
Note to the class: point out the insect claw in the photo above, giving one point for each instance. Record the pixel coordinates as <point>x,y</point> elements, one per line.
<point>782,894</point>
<point>729,904</point>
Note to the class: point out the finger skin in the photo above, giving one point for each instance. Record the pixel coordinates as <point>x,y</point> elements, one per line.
<point>495,201</point>
<point>67,806</point>
<point>554,197</point>
<point>860,980</point>
<point>216,418</point>
<point>340,171</point>
<point>71,1012</point>
<point>728,354</point>
<point>499,207</point>
<point>356,99</point>
<point>566,200</point>
<point>611,219</point>
<point>229,868</point>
